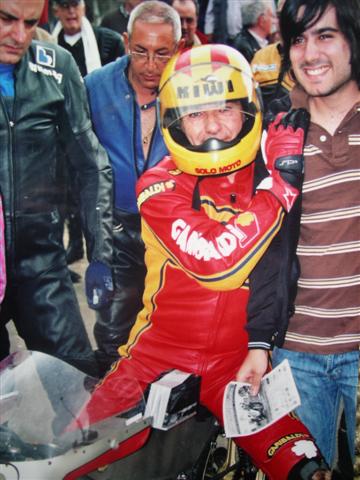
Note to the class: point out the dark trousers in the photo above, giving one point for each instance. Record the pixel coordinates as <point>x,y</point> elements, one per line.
<point>40,297</point>
<point>113,323</point>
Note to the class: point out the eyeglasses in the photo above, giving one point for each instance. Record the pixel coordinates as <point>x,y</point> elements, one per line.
<point>143,57</point>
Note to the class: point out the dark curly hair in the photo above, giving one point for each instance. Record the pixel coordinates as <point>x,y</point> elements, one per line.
<point>348,17</point>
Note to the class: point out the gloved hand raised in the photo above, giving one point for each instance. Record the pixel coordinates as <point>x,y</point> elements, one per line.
<point>99,286</point>
<point>282,148</point>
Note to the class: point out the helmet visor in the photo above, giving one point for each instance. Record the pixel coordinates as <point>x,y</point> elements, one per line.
<point>208,111</point>
<point>211,126</point>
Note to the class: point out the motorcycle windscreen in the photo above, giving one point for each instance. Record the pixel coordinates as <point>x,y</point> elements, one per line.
<point>42,405</point>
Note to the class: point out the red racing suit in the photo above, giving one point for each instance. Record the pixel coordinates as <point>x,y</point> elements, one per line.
<point>203,236</point>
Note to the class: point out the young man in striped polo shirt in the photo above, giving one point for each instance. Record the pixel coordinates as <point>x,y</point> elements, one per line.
<point>317,313</point>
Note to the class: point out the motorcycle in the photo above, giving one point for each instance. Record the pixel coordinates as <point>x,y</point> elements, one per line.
<point>43,437</point>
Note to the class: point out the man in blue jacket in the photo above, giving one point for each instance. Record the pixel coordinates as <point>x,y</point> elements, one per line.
<point>91,48</point>
<point>122,98</point>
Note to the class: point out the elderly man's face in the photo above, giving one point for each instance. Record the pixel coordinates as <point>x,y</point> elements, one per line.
<point>223,123</point>
<point>70,16</point>
<point>18,20</point>
<point>150,47</point>
<point>268,21</point>
<point>187,11</point>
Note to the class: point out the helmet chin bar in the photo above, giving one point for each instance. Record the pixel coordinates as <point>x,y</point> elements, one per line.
<point>214,144</point>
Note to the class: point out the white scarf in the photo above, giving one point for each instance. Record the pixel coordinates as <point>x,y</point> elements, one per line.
<point>91,49</point>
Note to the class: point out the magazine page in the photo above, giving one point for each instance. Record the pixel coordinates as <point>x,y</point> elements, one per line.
<point>245,414</point>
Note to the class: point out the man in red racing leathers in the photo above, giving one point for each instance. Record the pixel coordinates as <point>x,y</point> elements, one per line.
<point>204,230</point>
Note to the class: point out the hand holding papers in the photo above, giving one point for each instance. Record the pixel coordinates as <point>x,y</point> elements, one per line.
<point>245,414</point>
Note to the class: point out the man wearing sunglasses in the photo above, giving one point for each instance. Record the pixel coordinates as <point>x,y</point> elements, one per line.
<point>122,99</point>
<point>91,46</point>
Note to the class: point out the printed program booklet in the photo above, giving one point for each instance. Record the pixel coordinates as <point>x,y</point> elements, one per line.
<point>173,398</point>
<point>245,414</point>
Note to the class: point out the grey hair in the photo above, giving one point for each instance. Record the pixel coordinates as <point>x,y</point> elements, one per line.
<point>251,11</point>
<point>154,11</point>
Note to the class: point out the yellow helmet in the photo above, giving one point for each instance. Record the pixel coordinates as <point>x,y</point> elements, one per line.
<point>206,78</point>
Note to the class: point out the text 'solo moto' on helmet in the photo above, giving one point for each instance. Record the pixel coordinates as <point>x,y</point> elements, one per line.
<point>206,78</point>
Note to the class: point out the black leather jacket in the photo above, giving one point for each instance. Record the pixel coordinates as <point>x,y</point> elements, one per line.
<point>273,281</point>
<point>110,45</point>
<point>50,111</point>
<point>246,44</point>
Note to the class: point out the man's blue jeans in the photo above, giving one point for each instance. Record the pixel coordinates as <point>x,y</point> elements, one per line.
<point>325,384</point>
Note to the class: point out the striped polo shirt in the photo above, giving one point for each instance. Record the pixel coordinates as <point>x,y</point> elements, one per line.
<point>327,306</point>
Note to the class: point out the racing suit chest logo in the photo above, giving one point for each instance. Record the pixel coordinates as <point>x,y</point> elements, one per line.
<point>193,243</point>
